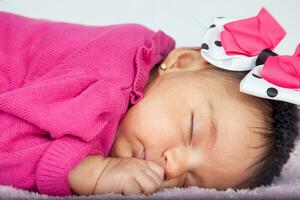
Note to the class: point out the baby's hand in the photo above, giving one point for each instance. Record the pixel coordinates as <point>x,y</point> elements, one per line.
<point>130,176</point>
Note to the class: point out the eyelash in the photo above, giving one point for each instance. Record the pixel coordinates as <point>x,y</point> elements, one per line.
<point>192,126</point>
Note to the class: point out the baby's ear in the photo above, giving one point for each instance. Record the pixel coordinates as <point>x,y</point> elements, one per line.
<point>184,58</point>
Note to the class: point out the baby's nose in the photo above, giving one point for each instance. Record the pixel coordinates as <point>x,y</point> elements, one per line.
<point>175,161</point>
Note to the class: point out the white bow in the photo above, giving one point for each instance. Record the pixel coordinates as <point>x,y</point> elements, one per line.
<point>253,84</point>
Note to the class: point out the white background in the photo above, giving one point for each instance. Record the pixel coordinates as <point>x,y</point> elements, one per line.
<point>185,20</point>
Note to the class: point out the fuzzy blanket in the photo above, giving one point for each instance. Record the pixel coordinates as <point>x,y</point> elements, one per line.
<point>287,186</point>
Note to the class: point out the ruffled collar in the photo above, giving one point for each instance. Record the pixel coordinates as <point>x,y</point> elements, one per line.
<point>153,51</point>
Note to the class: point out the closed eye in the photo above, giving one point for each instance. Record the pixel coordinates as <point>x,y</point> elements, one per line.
<point>192,127</point>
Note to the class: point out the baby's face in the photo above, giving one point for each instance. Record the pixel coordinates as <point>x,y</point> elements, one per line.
<point>189,124</point>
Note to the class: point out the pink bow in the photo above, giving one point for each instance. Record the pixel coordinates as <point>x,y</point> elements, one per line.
<point>250,36</point>
<point>283,71</point>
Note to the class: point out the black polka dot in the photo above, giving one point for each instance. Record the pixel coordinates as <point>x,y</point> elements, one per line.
<point>272,92</point>
<point>218,43</point>
<point>204,46</point>
<point>212,26</point>
<point>256,76</point>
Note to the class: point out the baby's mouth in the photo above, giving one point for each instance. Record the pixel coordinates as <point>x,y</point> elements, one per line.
<point>141,154</point>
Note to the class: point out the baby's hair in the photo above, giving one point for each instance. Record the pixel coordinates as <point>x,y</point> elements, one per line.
<point>279,132</point>
<point>282,141</point>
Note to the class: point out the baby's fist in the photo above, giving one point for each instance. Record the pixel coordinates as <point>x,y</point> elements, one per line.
<point>130,176</point>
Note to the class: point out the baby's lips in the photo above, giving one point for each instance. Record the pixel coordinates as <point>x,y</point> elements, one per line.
<point>141,154</point>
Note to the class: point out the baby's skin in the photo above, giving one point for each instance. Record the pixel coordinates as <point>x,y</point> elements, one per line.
<point>190,129</point>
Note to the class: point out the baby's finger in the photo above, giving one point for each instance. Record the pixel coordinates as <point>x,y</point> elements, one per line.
<point>154,176</point>
<point>159,170</point>
<point>146,183</point>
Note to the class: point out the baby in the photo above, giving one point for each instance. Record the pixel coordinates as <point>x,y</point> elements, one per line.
<point>92,110</point>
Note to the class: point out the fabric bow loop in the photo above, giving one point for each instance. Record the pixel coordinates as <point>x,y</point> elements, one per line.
<point>283,71</point>
<point>252,35</point>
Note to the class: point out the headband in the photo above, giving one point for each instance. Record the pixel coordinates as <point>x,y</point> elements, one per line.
<point>247,44</point>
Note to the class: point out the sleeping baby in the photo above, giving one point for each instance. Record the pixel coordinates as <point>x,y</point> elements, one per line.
<point>99,109</point>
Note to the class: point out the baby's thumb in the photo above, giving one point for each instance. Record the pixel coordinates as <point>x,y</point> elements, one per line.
<point>168,183</point>
<point>157,168</point>
<point>174,182</point>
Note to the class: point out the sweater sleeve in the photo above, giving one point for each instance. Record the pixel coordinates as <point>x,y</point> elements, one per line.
<point>74,121</point>
<point>61,156</point>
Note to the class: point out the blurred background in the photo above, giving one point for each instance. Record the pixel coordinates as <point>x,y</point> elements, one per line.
<point>184,20</point>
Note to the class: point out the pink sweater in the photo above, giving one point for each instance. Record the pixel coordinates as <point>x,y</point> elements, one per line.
<point>63,90</point>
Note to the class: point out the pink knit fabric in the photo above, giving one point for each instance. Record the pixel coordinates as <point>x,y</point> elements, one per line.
<point>63,90</point>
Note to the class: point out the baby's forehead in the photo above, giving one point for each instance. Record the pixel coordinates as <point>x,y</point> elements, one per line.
<point>220,83</point>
